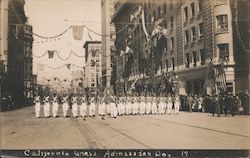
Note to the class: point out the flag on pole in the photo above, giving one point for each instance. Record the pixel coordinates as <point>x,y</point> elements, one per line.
<point>51,53</point>
<point>220,77</point>
<point>77,32</point>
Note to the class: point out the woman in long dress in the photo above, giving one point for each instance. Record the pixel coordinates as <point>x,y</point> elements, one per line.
<point>169,104</point>
<point>83,107</point>
<point>46,106</point>
<point>74,106</point>
<point>177,104</point>
<point>65,106</point>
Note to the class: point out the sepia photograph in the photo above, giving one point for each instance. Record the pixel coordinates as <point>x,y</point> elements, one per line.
<point>124,78</point>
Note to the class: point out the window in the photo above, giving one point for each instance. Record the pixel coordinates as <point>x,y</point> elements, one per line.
<point>186,37</point>
<point>185,13</point>
<point>200,5</point>
<point>223,51</point>
<point>201,30</point>
<point>187,60</point>
<point>172,22</point>
<point>193,34</point>
<point>192,9</point>
<point>222,23</point>
<point>172,43</point>
<point>195,58</point>
<point>173,63</point>
<point>202,56</point>
<point>92,63</point>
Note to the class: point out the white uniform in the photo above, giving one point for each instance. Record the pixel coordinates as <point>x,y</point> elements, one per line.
<point>101,108</point>
<point>169,105</point>
<point>161,105</point>
<point>177,105</point>
<point>128,106</point>
<point>134,106</point>
<point>46,107</point>
<point>74,106</point>
<point>148,105</point>
<point>55,106</point>
<point>65,106</point>
<point>83,107</point>
<point>37,106</point>
<point>119,107</point>
<point>92,107</point>
<point>123,104</point>
<point>154,105</point>
<point>113,109</point>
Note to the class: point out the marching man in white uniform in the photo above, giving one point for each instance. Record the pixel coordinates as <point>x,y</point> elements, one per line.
<point>101,107</point>
<point>46,106</point>
<point>65,106</point>
<point>177,104</point>
<point>55,106</point>
<point>148,105</point>
<point>169,104</point>
<point>37,106</point>
<point>74,106</point>
<point>154,105</point>
<point>128,105</point>
<point>83,107</point>
<point>113,108</point>
<point>92,107</point>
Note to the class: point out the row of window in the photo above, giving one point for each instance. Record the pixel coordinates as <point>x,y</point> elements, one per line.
<point>193,33</point>
<point>193,9</point>
<point>193,58</point>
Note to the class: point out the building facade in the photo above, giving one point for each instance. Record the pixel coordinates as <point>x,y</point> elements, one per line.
<point>93,67</point>
<point>108,42</point>
<point>186,41</point>
<point>17,79</point>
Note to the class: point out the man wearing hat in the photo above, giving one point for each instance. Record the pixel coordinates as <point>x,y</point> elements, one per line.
<point>47,106</point>
<point>83,107</point>
<point>177,104</point>
<point>65,105</point>
<point>92,107</point>
<point>55,106</point>
<point>113,108</point>
<point>74,106</point>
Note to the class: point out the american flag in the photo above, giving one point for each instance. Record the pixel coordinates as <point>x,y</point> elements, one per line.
<point>77,32</point>
<point>220,77</point>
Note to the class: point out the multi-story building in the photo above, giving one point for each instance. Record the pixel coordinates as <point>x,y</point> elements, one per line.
<point>93,67</point>
<point>241,39</point>
<point>108,43</point>
<point>190,39</point>
<point>16,52</point>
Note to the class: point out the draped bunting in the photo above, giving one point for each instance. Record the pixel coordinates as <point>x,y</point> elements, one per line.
<point>220,77</point>
<point>144,26</point>
<point>77,32</point>
<point>51,53</point>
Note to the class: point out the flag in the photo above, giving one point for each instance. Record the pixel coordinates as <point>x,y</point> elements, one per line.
<point>90,37</point>
<point>68,66</point>
<point>127,49</point>
<point>40,67</point>
<point>77,32</point>
<point>220,77</point>
<point>51,53</point>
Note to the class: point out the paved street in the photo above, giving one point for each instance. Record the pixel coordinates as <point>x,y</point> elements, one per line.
<point>20,130</point>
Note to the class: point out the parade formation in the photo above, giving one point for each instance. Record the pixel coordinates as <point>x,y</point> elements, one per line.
<point>134,104</point>
<point>110,105</point>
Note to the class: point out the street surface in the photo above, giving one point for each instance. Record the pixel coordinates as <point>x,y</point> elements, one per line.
<point>21,130</point>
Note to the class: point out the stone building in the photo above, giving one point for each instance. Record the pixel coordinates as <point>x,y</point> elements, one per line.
<point>189,42</point>
<point>16,53</point>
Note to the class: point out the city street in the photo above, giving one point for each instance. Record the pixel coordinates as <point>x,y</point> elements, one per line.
<point>21,130</point>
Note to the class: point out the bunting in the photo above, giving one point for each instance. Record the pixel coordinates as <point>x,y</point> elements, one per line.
<point>77,32</point>
<point>144,26</point>
<point>90,37</point>
<point>220,77</point>
<point>51,53</point>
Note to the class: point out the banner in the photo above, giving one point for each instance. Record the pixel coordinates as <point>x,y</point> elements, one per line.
<point>77,32</point>
<point>220,77</point>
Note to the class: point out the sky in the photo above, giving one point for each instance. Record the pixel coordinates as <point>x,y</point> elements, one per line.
<point>52,17</point>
